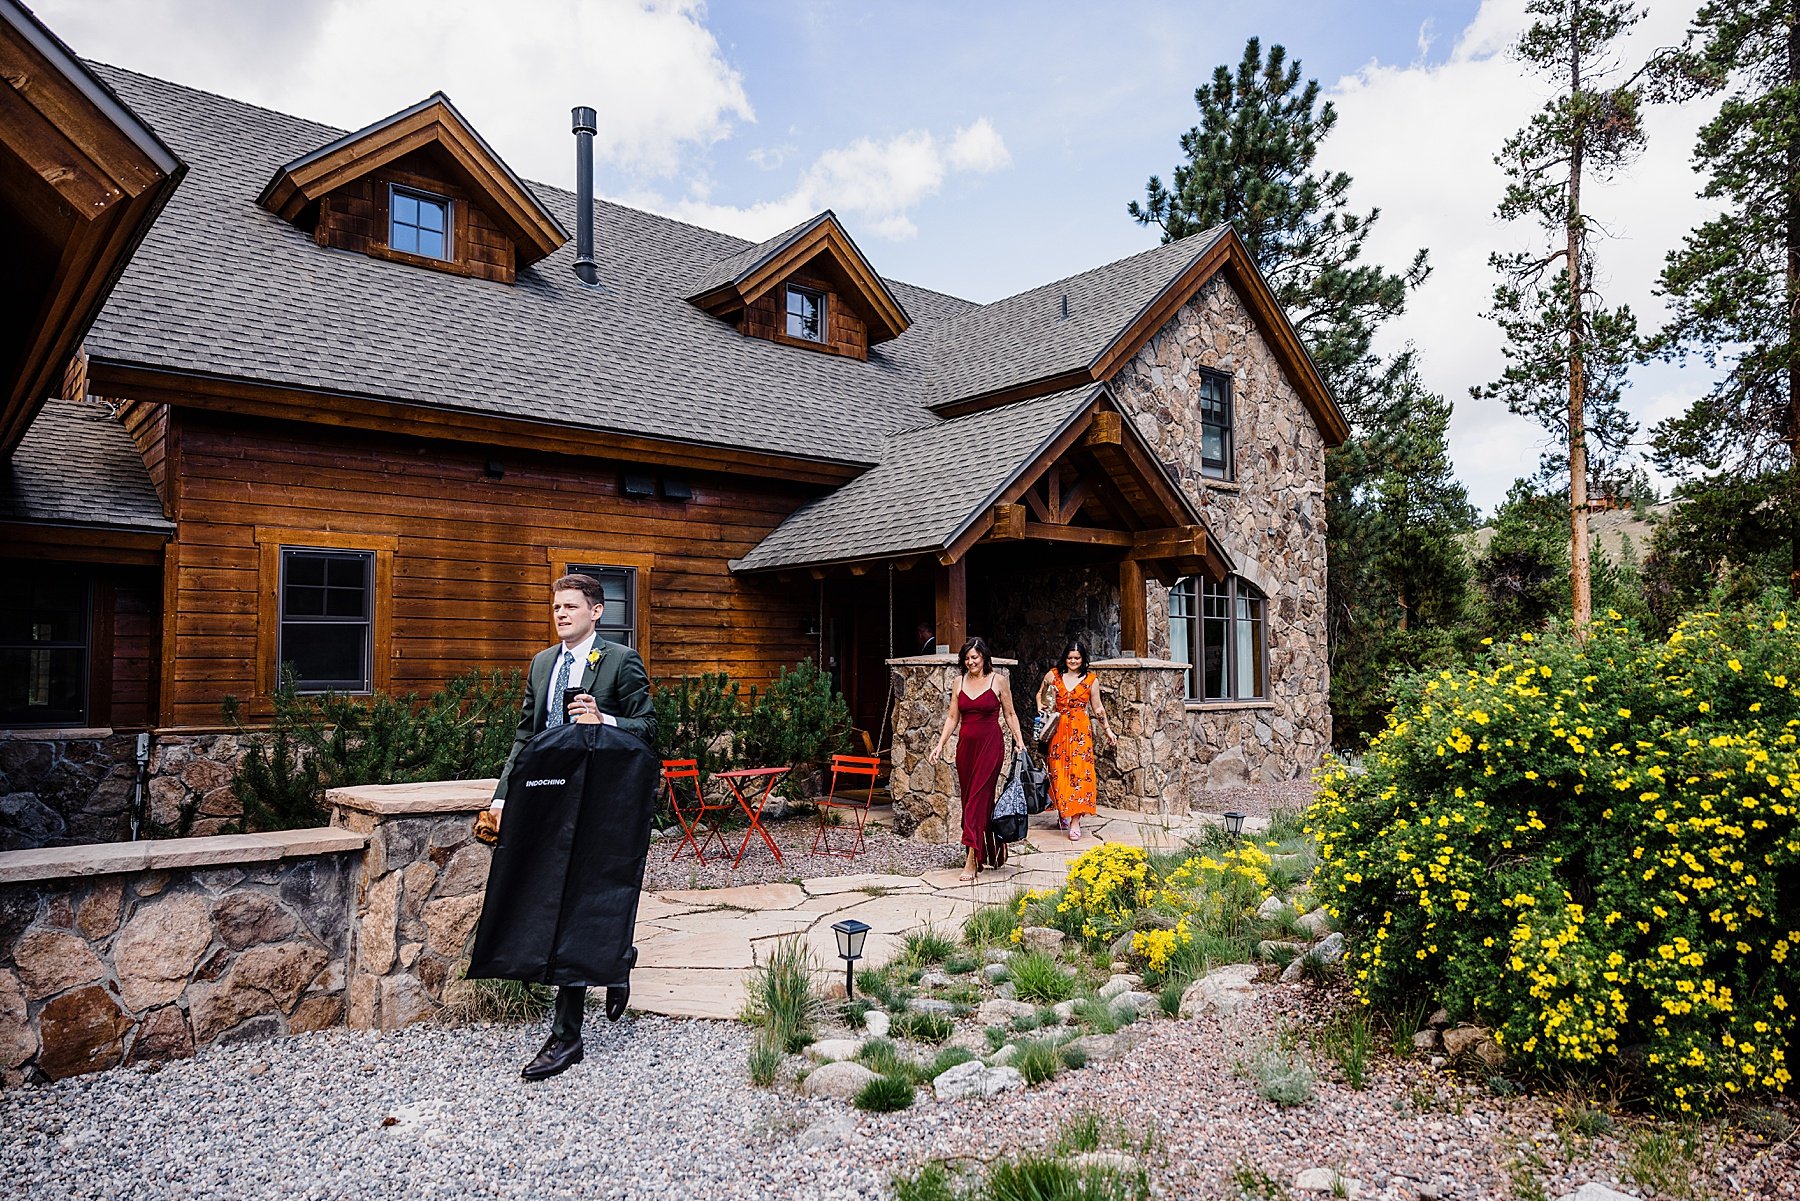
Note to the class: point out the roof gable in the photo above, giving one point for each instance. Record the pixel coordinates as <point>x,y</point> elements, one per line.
<point>819,243</point>
<point>433,122</point>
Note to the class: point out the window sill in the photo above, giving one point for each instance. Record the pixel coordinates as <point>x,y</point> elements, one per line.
<point>53,733</point>
<point>1225,706</point>
<point>1219,485</point>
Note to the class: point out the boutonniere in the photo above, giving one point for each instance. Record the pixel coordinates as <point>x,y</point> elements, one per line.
<point>593,657</point>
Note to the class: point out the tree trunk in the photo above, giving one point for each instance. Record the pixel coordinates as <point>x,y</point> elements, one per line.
<point>1793,310</point>
<point>1581,600</point>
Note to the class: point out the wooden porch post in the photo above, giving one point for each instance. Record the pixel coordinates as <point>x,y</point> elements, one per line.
<point>952,605</point>
<point>1134,630</point>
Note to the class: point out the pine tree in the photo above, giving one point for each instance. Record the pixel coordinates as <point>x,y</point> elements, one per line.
<point>1734,284</point>
<point>1251,164</point>
<point>1567,354</point>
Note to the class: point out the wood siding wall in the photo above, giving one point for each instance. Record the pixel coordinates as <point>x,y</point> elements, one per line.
<point>470,561</point>
<point>845,332</point>
<point>355,217</point>
<point>148,425</point>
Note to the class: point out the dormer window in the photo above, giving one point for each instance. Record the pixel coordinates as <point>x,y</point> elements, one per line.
<point>418,223</point>
<point>805,314</point>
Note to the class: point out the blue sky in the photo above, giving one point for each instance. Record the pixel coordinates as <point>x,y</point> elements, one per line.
<point>977,148</point>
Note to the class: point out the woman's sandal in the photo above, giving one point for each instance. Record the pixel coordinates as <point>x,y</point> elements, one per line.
<point>966,878</point>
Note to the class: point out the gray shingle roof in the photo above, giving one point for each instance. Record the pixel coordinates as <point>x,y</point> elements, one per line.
<point>1025,337</point>
<point>78,466</point>
<point>222,287</point>
<point>931,482</point>
<point>735,266</point>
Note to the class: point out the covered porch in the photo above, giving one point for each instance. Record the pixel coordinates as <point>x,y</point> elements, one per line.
<point>1029,525</point>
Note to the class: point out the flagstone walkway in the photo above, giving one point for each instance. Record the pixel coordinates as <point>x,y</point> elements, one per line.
<point>697,947</point>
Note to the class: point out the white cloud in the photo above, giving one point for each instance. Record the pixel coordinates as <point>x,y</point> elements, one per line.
<point>1420,140</point>
<point>651,67</point>
<point>872,184</point>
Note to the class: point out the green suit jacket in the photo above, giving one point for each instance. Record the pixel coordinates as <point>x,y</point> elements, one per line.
<point>617,682</point>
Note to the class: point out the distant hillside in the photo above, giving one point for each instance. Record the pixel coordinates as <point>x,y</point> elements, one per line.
<point>1609,530</point>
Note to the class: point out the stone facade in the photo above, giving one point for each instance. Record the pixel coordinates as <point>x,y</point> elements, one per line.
<point>198,941</point>
<point>1147,770</point>
<point>62,788</point>
<point>925,795</point>
<point>1269,519</point>
<point>1036,612</point>
<point>417,897</point>
<point>67,788</point>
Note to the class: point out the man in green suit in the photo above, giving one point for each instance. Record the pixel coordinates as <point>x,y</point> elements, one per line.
<point>614,689</point>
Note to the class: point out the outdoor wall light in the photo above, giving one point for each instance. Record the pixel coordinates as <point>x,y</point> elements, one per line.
<point>850,937</point>
<point>1234,823</point>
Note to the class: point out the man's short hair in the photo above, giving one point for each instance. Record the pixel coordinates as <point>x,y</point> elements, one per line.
<point>587,585</point>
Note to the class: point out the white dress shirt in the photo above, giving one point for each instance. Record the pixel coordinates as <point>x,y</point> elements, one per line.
<point>577,669</point>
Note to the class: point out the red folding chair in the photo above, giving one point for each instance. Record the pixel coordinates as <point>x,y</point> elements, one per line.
<point>692,819</point>
<point>853,766</point>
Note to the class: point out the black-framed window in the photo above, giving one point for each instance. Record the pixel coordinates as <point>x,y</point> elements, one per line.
<point>618,623</point>
<point>327,626</point>
<point>805,314</point>
<point>1220,629</point>
<point>418,223</point>
<point>1215,426</point>
<point>44,639</point>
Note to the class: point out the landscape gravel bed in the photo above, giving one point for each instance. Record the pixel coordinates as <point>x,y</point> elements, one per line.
<point>662,1107</point>
<point>1255,801</point>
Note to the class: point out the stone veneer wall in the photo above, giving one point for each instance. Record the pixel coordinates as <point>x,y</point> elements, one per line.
<point>123,952</point>
<point>1147,770</point>
<point>1034,614</point>
<point>1270,520</point>
<point>925,796</point>
<point>67,788</point>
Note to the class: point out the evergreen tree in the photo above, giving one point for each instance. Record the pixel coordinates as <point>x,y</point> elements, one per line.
<point>1250,163</point>
<point>1566,353</point>
<point>1522,567</point>
<point>1734,285</point>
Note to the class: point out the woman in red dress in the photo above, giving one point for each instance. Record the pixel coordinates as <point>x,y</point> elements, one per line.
<point>981,696</point>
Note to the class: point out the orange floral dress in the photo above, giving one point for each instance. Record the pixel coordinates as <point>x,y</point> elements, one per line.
<point>1074,788</point>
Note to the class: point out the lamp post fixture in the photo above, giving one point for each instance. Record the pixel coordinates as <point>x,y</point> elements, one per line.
<point>850,937</point>
<point>1234,824</point>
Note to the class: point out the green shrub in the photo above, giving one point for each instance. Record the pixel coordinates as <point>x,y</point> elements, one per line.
<point>927,946</point>
<point>482,1000</point>
<point>1281,1076</point>
<point>1348,1041</point>
<point>697,718</point>
<point>800,718</point>
<point>781,998</point>
<point>765,1059</point>
<point>314,743</point>
<point>992,924</point>
<point>933,1182</point>
<point>1037,1060</point>
<point>881,1057</point>
<point>962,964</point>
<point>884,1094</point>
<point>946,1059</point>
<point>1584,846</point>
<point>924,1027</point>
<point>1039,1178</point>
<point>1099,1016</point>
<point>1037,976</point>
<point>1073,1057</point>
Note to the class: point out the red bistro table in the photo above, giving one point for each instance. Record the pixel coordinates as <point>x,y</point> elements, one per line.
<point>735,780</point>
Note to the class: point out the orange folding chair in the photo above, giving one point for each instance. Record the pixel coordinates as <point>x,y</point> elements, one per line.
<point>696,830</point>
<point>852,766</point>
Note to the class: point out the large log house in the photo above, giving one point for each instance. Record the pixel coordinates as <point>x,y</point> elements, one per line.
<point>348,407</point>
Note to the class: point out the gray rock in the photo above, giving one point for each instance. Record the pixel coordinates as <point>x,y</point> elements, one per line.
<point>996,955</point>
<point>830,1050</point>
<point>1005,989</point>
<point>1224,989</point>
<point>1064,1011</point>
<point>1138,1003</point>
<point>1041,938</point>
<point>1119,984</point>
<point>1316,923</point>
<point>1109,1161</point>
<point>838,1081</point>
<point>993,973</point>
<point>1330,948</point>
<point>1271,908</point>
<point>1327,1180</point>
<point>1005,1055</point>
<point>1121,948</point>
<point>973,1079</point>
<point>877,1023</point>
<point>1427,1041</point>
<point>1440,1018</point>
<point>1000,1011</point>
<point>1596,1192</point>
<point>832,1131</point>
<point>1098,1047</point>
<point>931,1005</point>
<point>935,978</point>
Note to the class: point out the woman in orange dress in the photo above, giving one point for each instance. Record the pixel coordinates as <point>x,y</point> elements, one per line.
<point>1075,693</point>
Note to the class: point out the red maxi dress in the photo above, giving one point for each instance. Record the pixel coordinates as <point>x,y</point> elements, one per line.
<point>979,750</point>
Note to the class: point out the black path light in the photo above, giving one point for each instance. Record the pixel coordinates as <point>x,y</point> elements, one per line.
<point>1234,823</point>
<point>850,937</point>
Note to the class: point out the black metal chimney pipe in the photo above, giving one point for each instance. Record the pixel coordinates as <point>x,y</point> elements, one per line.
<point>585,126</point>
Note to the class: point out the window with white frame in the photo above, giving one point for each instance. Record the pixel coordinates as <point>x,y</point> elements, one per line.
<point>1220,629</point>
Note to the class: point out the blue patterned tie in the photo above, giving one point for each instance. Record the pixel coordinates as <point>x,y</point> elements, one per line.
<point>554,717</point>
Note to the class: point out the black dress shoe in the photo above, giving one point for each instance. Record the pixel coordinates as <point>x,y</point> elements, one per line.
<point>558,1055</point>
<point>619,995</point>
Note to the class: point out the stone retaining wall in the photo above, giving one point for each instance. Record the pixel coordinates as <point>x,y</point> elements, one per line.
<point>122,952</point>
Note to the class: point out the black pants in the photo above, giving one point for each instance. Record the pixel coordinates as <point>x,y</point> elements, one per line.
<point>571,1002</point>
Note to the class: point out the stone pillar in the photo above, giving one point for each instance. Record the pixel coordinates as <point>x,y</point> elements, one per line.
<point>1144,701</point>
<point>418,895</point>
<point>925,798</point>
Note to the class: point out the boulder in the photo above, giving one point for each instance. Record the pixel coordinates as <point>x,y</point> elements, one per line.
<point>53,961</point>
<point>993,973</point>
<point>1330,948</point>
<point>1440,1018</point>
<point>1228,769</point>
<point>973,1079</point>
<point>1064,1011</point>
<point>1109,1161</point>
<point>1224,989</point>
<point>996,955</point>
<point>158,948</point>
<point>1596,1192</point>
<point>830,1050</point>
<point>1098,1047</point>
<point>1005,1055</point>
<point>877,1023</point>
<point>931,1005</point>
<point>1459,1040</point>
<point>935,978</point>
<point>838,1081</point>
<point>1041,938</point>
<point>1271,908</point>
<point>82,1031</point>
<point>1327,1180</point>
<point>833,1131</point>
<point>1316,923</point>
<point>1001,1012</point>
<point>1119,984</point>
<point>1427,1042</point>
<point>1138,1003</point>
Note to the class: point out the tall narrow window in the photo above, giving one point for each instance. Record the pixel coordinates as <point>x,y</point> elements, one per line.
<point>44,647</point>
<point>327,618</point>
<point>618,623</point>
<point>1219,630</point>
<point>805,314</point>
<point>418,223</point>
<point>1215,426</point>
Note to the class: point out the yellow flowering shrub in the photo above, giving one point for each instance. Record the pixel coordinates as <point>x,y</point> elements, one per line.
<point>1589,847</point>
<point>1106,886</point>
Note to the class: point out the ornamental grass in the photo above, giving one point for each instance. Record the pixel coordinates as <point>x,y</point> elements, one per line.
<point>1593,848</point>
